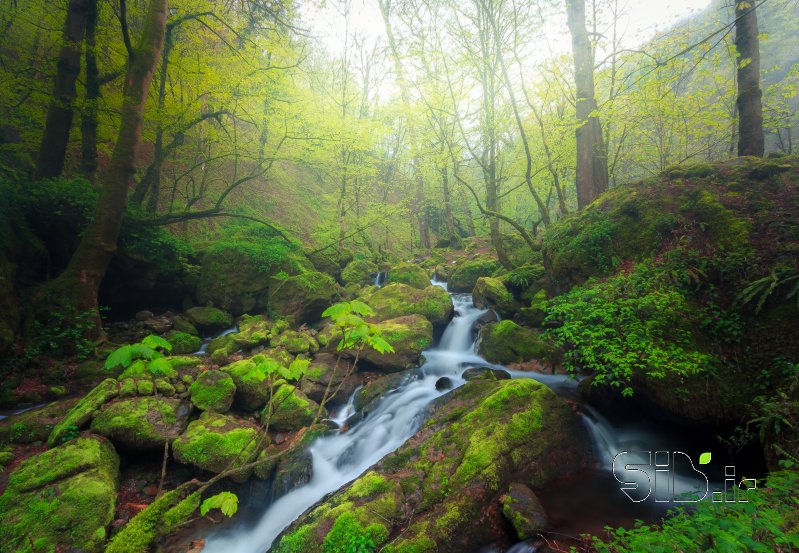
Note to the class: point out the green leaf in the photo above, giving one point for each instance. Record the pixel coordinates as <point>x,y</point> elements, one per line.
<point>140,351</point>
<point>119,357</point>
<point>226,502</point>
<point>337,310</point>
<point>160,367</point>
<point>704,458</point>
<point>154,342</point>
<point>361,308</point>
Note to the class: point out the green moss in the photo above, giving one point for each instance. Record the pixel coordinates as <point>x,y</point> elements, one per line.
<point>299,541</point>
<point>466,273</point>
<point>183,342</point>
<point>491,293</point>
<point>408,273</point>
<point>143,422</point>
<point>296,342</point>
<point>127,388</point>
<point>290,409</point>
<point>251,391</point>
<point>369,484</point>
<point>398,300</point>
<point>304,297</point>
<point>84,410</point>
<point>347,535</point>
<point>138,369</point>
<point>506,342</point>
<point>359,271</point>
<point>34,425</point>
<point>213,391</point>
<point>140,534</point>
<point>409,336</point>
<point>209,318</point>
<point>164,387</point>
<point>145,387</point>
<point>184,362</point>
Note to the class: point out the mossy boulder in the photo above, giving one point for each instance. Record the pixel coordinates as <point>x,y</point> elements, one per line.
<point>34,425</point>
<point>408,273</point>
<point>143,422</point>
<point>290,409</point>
<point>428,494</point>
<point>62,499</point>
<point>535,314</point>
<point>304,297</point>
<point>213,391</point>
<point>183,342</point>
<point>360,272</point>
<point>398,300</point>
<point>523,510</point>
<point>506,342</point>
<point>253,331</point>
<point>295,342</point>
<point>252,390</point>
<point>326,370</point>
<point>491,293</point>
<point>377,388</point>
<point>84,410</point>
<point>466,272</point>
<point>409,336</point>
<point>217,442</point>
<point>209,319</point>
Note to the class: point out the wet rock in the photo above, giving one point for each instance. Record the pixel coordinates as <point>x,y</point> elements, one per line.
<point>377,388</point>
<point>409,336</point>
<point>83,411</point>
<point>399,300</point>
<point>158,325</point>
<point>290,410</point>
<point>142,422</point>
<point>485,373</point>
<point>209,319</point>
<point>304,297</point>
<point>36,424</point>
<point>444,383</point>
<point>326,369</point>
<point>490,293</point>
<point>521,508</point>
<point>506,342</point>
<point>359,272</point>
<point>466,272</point>
<point>183,342</point>
<point>410,274</point>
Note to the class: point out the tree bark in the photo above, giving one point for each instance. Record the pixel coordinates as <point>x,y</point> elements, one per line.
<point>592,164</point>
<point>88,127</point>
<point>749,101</point>
<point>454,239</point>
<point>53,147</point>
<point>81,280</point>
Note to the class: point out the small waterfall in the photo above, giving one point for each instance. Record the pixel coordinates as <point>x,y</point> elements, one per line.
<point>206,341</point>
<point>380,278</point>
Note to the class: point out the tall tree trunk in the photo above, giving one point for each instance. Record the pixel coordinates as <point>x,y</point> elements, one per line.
<point>749,102</point>
<point>454,239</point>
<point>80,282</point>
<point>53,147</point>
<point>421,212</point>
<point>88,127</point>
<point>592,164</point>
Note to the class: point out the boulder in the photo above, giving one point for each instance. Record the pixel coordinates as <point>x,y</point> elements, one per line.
<point>485,373</point>
<point>323,371</point>
<point>506,342</point>
<point>535,314</point>
<point>158,325</point>
<point>143,422</point>
<point>304,297</point>
<point>398,300</point>
<point>408,273</point>
<point>466,272</point>
<point>83,411</point>
<point>295,342</point>
<point>428,495</point>
<point>409,336</point>
<point>521,508</point>
<point>183,342</point>
<point>62,499</point>
<point>377,388</point>
<point>359,272</point>
<point>217,442</point>
<point>213,391</point>
<point>253,331</point>
<point>252,389</point>
<point>34,425</point>
<point>290,409</point>
<point>490,293</point>
<point>209,319</point>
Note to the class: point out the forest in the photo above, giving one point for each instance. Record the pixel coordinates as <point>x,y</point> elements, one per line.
<point>399,276</point>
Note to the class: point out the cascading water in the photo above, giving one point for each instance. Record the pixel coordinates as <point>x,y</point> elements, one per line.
<point>206,341</point>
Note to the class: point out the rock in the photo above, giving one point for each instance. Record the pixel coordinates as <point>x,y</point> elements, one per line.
<point>145,387</point>
<point>410,274</point>
<point>291,410</point>
<point>142,423</point>
<point>304,297</point>
<point>295,468</point>
<point>159,325</point>
<point>83,411</point>
<point>127,388</point>
<point>164,387</point>
<point>182,324</point>
<point>409,336</point>
<point>34,425</point>
<point>253,331</point>
<point>139,369</point>
<point>209,319</point>
<point>225,342</point>
<point>377,388</point>
<point>359,272</point>
<point>183,342</point>
<point>506,342</point>
<point>490,293</point>
<point>429,494</point>
<point>217,442</point>
<point>144,315</point>
<point>213,391</point>
<point>252,391</point>
<point>464,276</point>
<point>444,383</point>
<point>521,508</point>
<point>320,373</point>
<point>485,373</point>
<point>295,342</point>
<point>62,499</point>
<point>398,300</point>
<point>537,312</point>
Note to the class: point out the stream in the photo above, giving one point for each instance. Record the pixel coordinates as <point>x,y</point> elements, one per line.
<point>583,503</point>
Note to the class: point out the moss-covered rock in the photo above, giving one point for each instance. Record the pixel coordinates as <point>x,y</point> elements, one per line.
<point>295,342</point>
<point>34,425</point>
<point>408,273</point>
<point>139,369</point>
<point>506,342</point>
<point>253,331</point>
<point>304,297</point>
<point>466,272</point>
<point>252,390</point>
<point>217,443</point>
<point>535,314</point>
<point>213,391</point>
<point>142,422</point>
<point>360,272</point>
<point>409,336</point>
<point>326,370</point>
<point>398,300</point>
<point>521,508</point>
<point>209,319</point>
<point>428,494</point>
<point>62,499</point>
<point>491,293</point>
<point>378,387</point>
<point>83,411</point>
<point>290,409</point>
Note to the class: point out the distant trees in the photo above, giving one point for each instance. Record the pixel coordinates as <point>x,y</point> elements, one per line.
<point>749,102</point>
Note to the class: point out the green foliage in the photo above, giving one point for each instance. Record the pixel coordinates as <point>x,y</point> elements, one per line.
<point>62,333</point>
<point>266,250</point>
<point>146,353</point>
<point>630,324</point>
<point>356,332</point>
<point>766,522</point>
<point>226,502</point>
<point>760,290</point>
<point>348,535</point>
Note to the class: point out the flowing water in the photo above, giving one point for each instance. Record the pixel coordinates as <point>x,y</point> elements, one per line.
<point>206,341</point>
<point>340,458</point>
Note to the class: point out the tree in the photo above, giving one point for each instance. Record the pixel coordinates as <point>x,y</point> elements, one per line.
<point>749,102</point>
<point>592,165</point>
<point>80,282</point>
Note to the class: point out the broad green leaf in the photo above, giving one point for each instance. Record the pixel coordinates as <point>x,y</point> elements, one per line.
<point>226,502</point>
<point>704,458</point>
<point>143,352</point>
<point>337,310</point>
<point>154,342</point>
<point>361,308</point>
<point>119,357</point>
<point>160,367</point>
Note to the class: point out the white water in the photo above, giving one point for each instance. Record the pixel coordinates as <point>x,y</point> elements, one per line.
<point>206,341</point>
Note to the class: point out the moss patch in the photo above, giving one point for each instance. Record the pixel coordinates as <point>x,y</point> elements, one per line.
<point>213,391</point>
